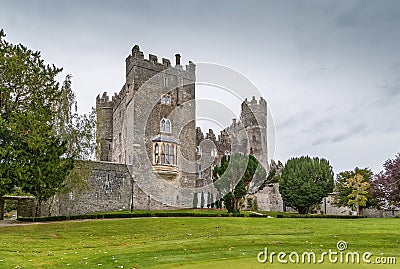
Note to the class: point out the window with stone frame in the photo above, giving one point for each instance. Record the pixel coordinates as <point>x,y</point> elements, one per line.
<point>214,152</point>
<point>164,153</point>
<point>165,82</point>
<point>156,153</point>
<point>199,151</point>
<point>199,171</point>
<point>165,99</point>
<point>165,125</point>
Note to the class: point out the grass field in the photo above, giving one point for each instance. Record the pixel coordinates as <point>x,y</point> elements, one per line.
<point>192,242</point>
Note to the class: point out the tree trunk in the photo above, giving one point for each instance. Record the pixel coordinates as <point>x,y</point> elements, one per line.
<point>360,211</point>
<point>1,208</point>
<point>38,208</point>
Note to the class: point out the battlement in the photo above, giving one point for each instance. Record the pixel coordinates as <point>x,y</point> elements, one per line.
<point>103,100</point>
<point>255,103</point>
<point>137,57</point>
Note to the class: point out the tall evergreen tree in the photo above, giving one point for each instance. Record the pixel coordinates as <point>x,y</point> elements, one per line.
<point>195,200</point>
<point>36,152</point>
<point>304,182</point>
<point>202,200</point>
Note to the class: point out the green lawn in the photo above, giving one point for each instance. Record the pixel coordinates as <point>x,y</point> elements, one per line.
<point>191,242</point>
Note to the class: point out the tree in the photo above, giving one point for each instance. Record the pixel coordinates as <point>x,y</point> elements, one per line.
<point>386,184</point>
<point>29,93</point>
<point>343,189</point>
<point>202,200</point>
<point>208,199</point>
<point>38,150</point>
<point>195,200</point>
<point>359,190</point>
<point>79,132</point>
<point>233,177</point>
<point>304,182</point>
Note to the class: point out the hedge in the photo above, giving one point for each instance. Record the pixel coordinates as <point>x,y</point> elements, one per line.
<point>112,215</point>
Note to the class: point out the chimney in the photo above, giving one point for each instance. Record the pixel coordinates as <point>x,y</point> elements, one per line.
<point>177,59</point>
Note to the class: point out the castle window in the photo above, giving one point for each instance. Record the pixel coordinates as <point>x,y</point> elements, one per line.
<point>166,82</point>
<point>156,154</point>
<point>172,155</point>
<point>167,154</point>
<point>165,125</point>
<point>254,138</point>
<point>167,161</point>
<point>214,152</point>
<point>165,99</point>
<point>199,150</point>
<point>199,175</point>
<point>162,154</point>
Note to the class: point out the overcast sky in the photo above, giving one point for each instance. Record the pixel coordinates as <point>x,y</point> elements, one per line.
<point>330,70</point>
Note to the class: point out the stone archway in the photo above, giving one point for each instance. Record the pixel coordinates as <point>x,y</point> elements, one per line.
<point>24,207</point>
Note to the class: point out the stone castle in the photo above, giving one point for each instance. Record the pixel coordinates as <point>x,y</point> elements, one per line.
<point>151,154</point>
<point>171,139</point>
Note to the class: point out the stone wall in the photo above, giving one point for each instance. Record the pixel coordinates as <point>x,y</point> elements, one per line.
<point>269,198</point>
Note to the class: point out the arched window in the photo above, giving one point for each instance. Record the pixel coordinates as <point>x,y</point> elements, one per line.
<point>199,171</point>
<point>162,123</point>
<point>156,153</point>
<point>167,154</point>
<point>165,125</point>
<point>162,154</point>
<point>214,152</point>
<point>171,155</point>
<point>165,99</point>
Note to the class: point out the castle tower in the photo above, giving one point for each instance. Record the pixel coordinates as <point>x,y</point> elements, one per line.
<point>254,119</point>
<point>104,135</point>
<point>163,90</point>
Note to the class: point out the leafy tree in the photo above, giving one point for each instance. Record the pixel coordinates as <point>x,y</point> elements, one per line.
<point>343,189</point>
<point>79,132</point>
<point>304,182</point>
<point>358,195</point>
<point>195,200</point>
<point>386,184</point>
<point>47,169</point>
<point>37,149</point>
<point>29,93</point>
<point>233,177</point>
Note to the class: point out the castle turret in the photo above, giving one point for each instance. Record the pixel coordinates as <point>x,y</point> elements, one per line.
<point>104,135</point>
<point>254,119</point>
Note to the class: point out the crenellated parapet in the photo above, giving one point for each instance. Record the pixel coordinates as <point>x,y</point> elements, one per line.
<point>103,100</point>
<point>254,112</point>
<point>136,58</point>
